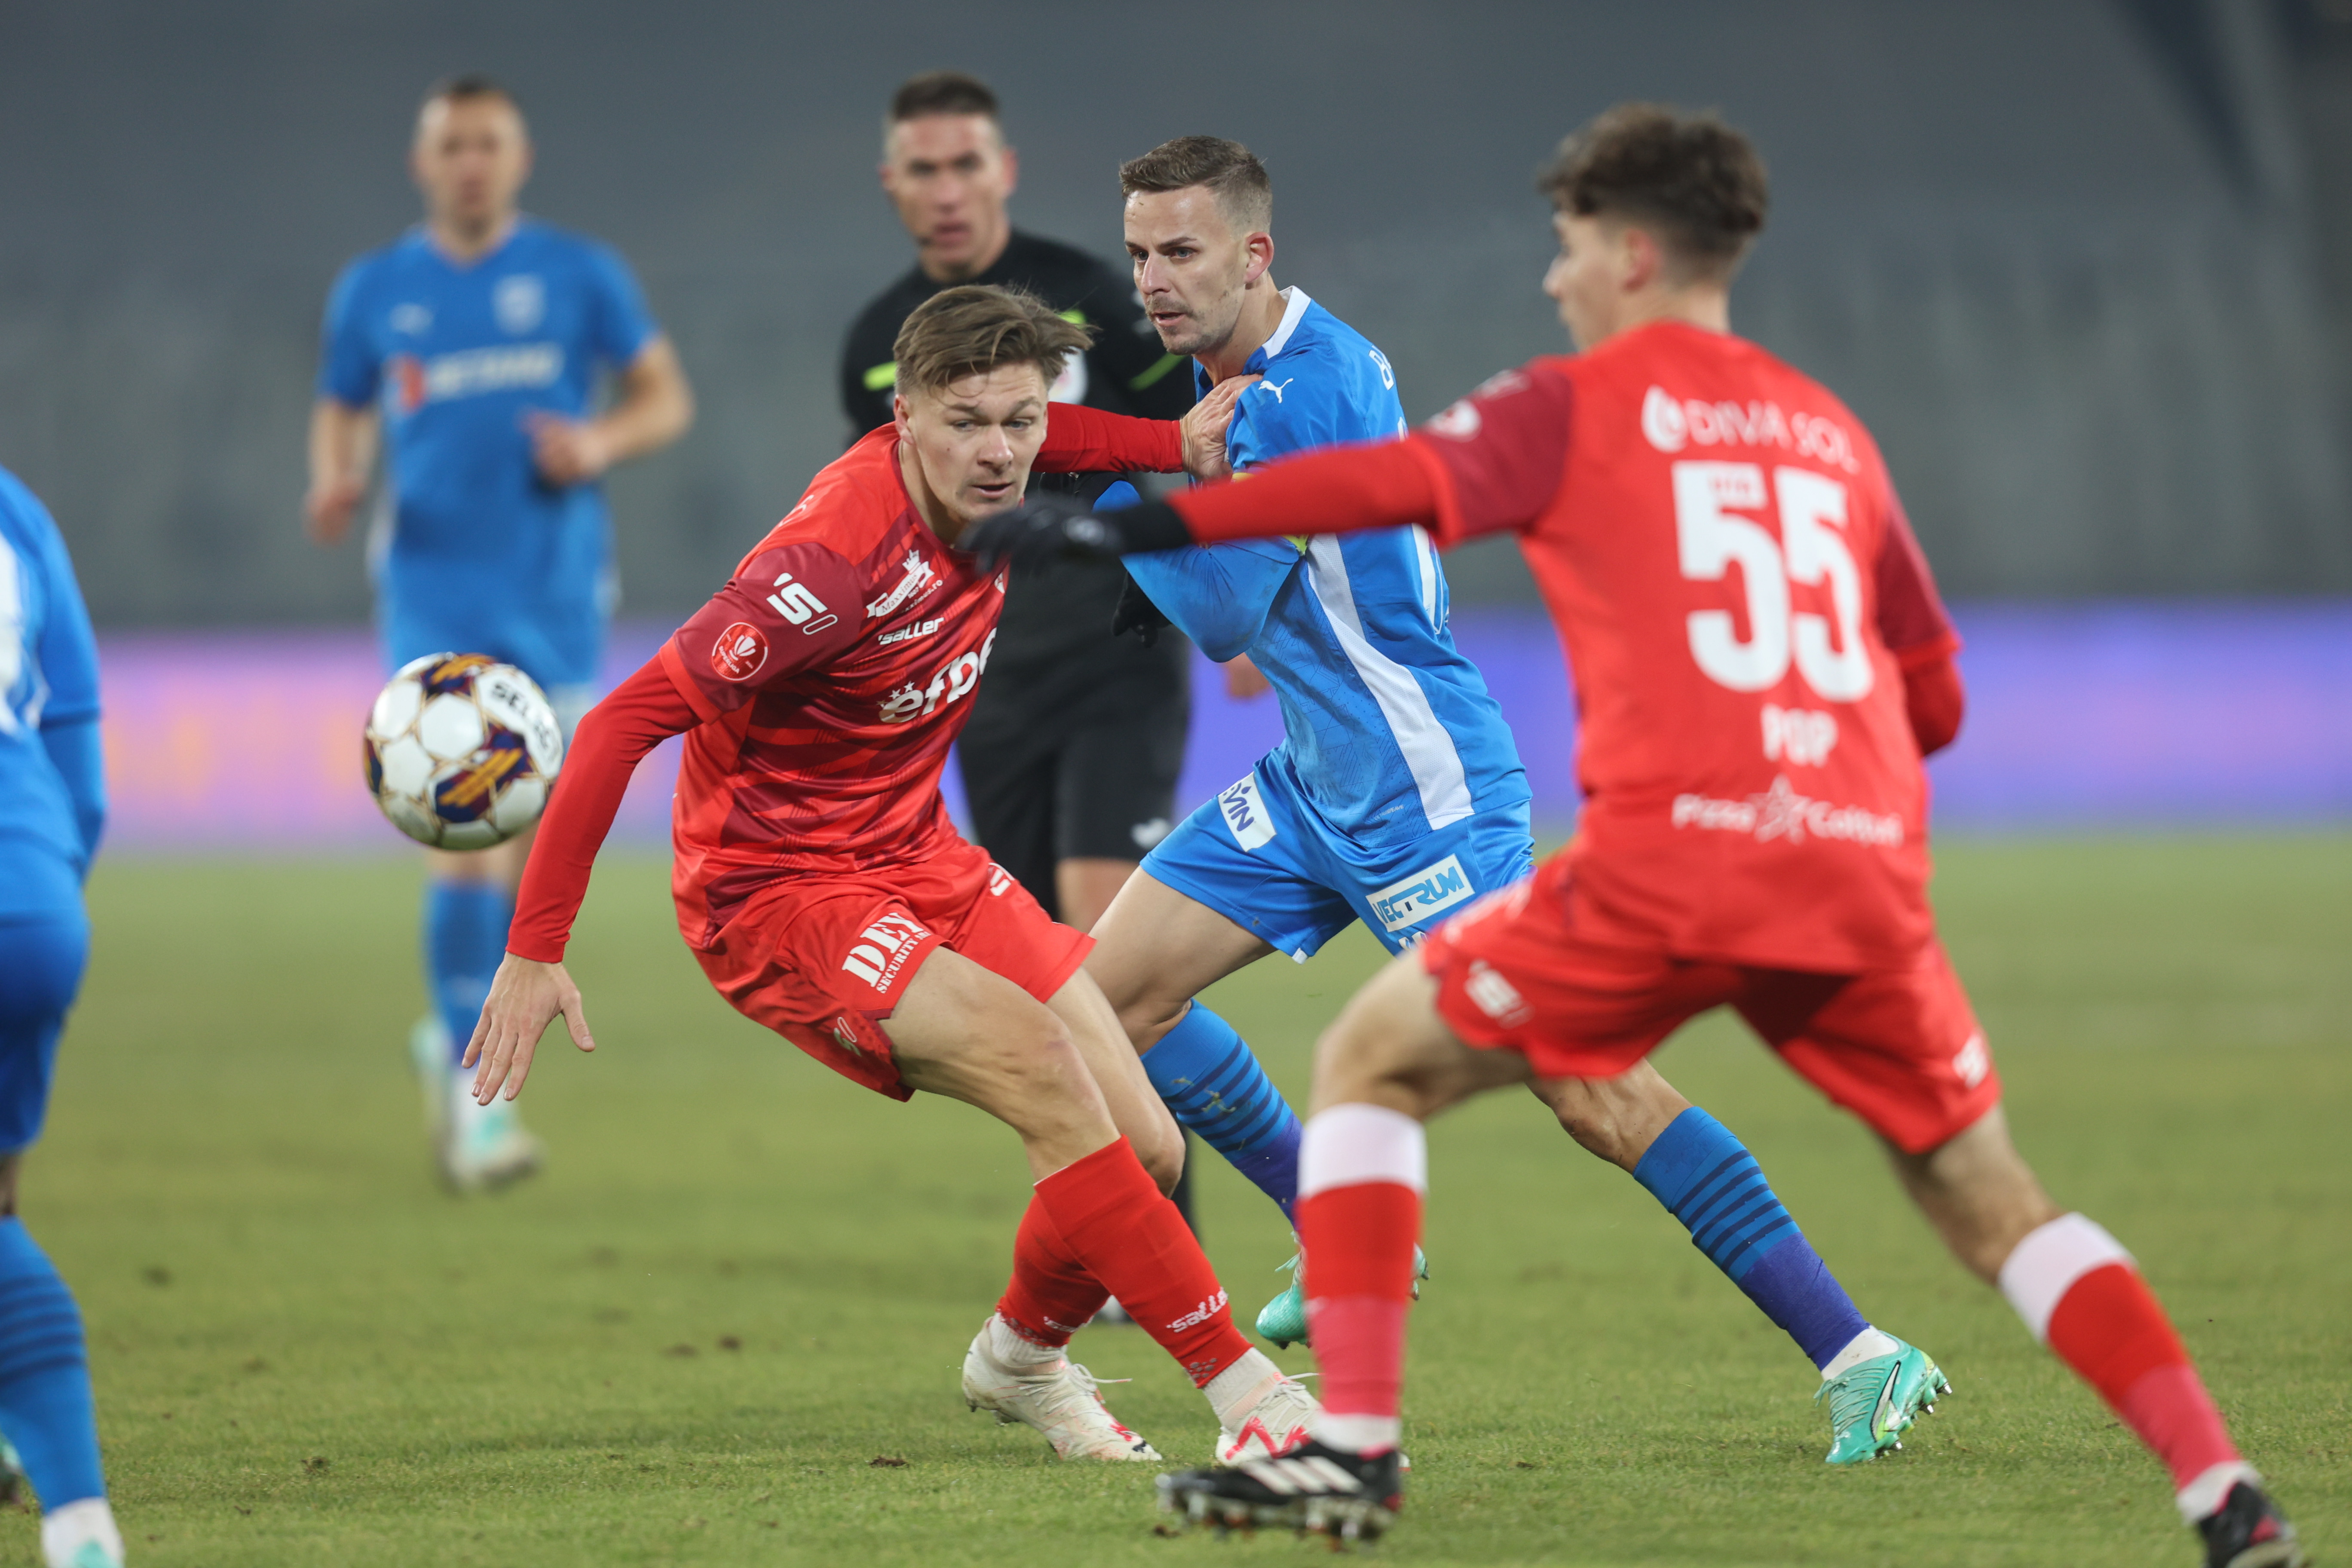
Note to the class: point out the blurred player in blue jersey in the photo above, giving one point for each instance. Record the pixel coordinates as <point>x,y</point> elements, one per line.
<point>471,348</point>
<point>1396,798</point>
<point>52,808</point>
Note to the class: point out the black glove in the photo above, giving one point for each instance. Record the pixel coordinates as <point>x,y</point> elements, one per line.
<point>1049,527</point>
<point>1137,613</point>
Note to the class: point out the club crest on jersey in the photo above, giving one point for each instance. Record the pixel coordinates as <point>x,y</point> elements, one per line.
<point>1245,814</point>
<point>519,302</point>
<point>1414,900</point>
<point>882,950</point>
<point>738,653</point>
<point>920,578</point>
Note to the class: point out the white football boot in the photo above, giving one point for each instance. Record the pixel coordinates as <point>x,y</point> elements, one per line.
<point>1033,1385</point>
<point>81,1535</point>
<point>477,1146</point>
<point>1262,1413</point>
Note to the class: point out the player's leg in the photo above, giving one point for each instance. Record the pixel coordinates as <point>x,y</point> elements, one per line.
<point>1701,1172</point>
<point>1904,1051</point>
<point>45,1405</point>
<point>1099,1223</point>
<point>1382,1069</point>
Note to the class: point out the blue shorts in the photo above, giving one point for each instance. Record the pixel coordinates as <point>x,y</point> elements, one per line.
<point>42,951</point>
<point>1260,855</point>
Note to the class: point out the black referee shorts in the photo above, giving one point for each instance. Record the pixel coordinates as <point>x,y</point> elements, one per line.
<point>1050,779</point>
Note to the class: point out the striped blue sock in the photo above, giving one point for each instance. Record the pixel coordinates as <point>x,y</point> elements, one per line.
<point>45,1400</point>
<point>1213,1085</point>
<point>465,942</point>
<point>1708,1180</point>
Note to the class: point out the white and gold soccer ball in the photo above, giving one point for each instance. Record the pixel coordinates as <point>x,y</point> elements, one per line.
<point>461,751</point>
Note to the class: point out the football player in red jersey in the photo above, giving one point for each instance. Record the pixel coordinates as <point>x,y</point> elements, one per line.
<point>825,893</point>
<point>1761,662</point>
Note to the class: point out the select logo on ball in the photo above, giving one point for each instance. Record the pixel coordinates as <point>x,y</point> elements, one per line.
<point>740,652</point>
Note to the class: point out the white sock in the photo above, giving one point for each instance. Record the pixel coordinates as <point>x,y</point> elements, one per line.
<point>1861,1347</point>
<point>1365,1435</point>
<point>2041,1270</point>
<point>1011,1348</point>
<point>1351,1144</point>
<point>2201,1497</point>
<point>66,1531</point>
<point>1235,1391</point>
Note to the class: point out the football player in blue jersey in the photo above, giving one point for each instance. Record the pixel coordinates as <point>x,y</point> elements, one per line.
<point>52,809</point>
<point>471,350</point>
<point>1396,798</point>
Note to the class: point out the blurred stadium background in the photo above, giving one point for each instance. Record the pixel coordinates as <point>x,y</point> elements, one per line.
<point>2085,266</point>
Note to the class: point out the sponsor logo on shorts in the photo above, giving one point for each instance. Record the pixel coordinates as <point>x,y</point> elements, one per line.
<point>920,578</point>
<point>882,948</point>
<point>1782,812</point>
<point>740,652</point>
<point>1494,995</point>
<point>1245,814</point>
<point>1423,893</point>
<point>845,1035</point>
<point>1973,1061</point>
<point>1199,1314</point>
<point>1801,735</point>
<point>910,632</point>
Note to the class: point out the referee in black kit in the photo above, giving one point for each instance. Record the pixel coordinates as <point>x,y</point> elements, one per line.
<point>1071,754</point>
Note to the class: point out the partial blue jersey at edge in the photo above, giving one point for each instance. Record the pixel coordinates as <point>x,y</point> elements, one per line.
<point>52,786</point>
<point>481,553</point>
<point>1388,732</point>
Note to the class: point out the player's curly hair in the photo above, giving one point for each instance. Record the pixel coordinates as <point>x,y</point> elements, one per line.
<point>974,328</point>
<point>1699,184</point>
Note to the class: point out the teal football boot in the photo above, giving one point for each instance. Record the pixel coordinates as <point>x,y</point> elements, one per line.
<point>1284,1318</point>
<point>1875,1402</point>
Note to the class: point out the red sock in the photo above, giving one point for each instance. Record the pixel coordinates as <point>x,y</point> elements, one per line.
<point>2110,1329</point>
<point>1052,1295</point>
<point>1357,1242</point>
<point>1116,1225</point>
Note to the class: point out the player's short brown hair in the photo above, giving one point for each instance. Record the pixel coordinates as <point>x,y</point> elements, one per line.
<point>1693,181</point>
<point>940,92</point>
<point>467,86</point>
<point>1232,173</point>
<point>972,329</point>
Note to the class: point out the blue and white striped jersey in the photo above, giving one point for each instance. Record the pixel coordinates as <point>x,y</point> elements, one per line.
<point>1389,731</point>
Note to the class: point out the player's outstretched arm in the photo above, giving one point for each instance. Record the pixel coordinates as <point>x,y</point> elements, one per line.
<point>1083,440</point>
<point>531,987</point>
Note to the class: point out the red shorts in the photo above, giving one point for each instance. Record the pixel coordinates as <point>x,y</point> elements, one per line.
<point>1536,970</point>
<point>824,960</point>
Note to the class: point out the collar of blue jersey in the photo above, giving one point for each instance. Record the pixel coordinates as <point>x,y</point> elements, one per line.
<point>1293,313</point>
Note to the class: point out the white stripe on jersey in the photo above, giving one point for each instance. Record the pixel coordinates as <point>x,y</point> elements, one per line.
<point>1424,555</point>
<point>1292,314</point>
<point>1428,748</point>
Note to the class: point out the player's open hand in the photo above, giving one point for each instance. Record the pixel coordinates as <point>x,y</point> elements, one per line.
<point>525,997</point>
<point>1205,428</point>
<point>567,451</point>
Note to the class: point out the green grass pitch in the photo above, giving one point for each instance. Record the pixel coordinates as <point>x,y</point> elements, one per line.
<point>742,1280</point>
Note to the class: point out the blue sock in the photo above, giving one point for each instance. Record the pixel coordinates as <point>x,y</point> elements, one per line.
<point>464,940</point>
<point>1708,1180</point>
<point>1214,1086</point>
<point>45,1400</point>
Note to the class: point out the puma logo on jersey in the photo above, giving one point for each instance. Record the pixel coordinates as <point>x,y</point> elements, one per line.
<point>1275,387</point>
<point>920,577</point>
<point>882,950</point>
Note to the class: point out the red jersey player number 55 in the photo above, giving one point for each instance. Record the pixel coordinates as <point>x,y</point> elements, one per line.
<point>1712,536</point>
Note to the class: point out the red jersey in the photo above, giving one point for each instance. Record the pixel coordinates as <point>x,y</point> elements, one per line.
<point>830,675</point>
<point>1739,594</point>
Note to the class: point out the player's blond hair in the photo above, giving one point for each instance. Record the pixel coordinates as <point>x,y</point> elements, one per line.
<point>1227,170</point>
<point>977,328</point>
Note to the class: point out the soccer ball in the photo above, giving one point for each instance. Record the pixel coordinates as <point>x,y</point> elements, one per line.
<point>461,749</point>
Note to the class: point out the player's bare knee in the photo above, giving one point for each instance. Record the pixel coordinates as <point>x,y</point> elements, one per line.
<point>1159,1148</point>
